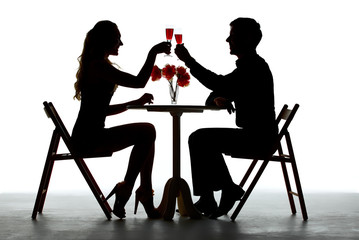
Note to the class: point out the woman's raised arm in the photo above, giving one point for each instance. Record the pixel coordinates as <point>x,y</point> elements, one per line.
<point>128,80</point>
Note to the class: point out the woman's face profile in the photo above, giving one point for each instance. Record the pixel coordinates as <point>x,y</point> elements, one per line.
<point>117,43</point>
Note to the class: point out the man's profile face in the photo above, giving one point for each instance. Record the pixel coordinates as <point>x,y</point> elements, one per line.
<point>238,43</point>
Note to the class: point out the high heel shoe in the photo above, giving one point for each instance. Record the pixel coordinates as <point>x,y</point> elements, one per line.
<point>123,193</point>
<point>145,196</point>
<point>229,197</point>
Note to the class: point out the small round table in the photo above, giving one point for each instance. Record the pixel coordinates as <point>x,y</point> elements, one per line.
<point>176,187</point>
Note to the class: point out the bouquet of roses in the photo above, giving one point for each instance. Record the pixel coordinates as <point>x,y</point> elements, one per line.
<point>168,72</point>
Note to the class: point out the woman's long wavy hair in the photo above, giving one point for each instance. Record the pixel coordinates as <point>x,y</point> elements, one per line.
<point>99,40</point>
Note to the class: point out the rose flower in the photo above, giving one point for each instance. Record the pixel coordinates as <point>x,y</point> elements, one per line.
<point>182,77</point>
<point>169,71</point>
<point>156,73</point>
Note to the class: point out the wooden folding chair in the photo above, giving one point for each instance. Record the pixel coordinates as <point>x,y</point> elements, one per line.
<point>52,156</point>
<point>284,118</point>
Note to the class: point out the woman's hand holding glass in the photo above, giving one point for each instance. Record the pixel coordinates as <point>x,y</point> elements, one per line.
<point>163,47</point>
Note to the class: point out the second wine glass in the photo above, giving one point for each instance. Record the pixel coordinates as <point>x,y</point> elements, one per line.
<point>178,36</point>
<point>169,35</point>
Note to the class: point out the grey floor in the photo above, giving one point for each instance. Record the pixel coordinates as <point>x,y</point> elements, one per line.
<point>265,216</point>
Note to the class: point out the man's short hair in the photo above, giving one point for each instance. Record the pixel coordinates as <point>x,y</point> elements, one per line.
<point>248,26</point>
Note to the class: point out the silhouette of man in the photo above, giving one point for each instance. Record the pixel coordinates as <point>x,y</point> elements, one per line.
<point>250,88</point>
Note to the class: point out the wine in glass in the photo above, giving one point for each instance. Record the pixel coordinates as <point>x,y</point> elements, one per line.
<point>178,36</point>
<point>169,35</point>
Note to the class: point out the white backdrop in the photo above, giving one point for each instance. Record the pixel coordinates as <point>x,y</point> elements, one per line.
<point>310,45</point>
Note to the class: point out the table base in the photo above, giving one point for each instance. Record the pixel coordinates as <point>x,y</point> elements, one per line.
<point>177,188</point>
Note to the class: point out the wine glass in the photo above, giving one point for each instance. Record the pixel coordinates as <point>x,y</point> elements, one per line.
<point>178,36</point>
<point>169,35</point>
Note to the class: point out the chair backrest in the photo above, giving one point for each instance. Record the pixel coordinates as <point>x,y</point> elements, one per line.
<point>286,115</point>
<point>283,120</point>
<point>52,113</point>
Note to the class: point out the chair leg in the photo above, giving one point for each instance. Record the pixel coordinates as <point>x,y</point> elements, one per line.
<point>296,178</point>
<point>249,190</point>
<point>46,175</point>
<point>300,192</point>
<point>41,194</point>
<point>94,187</point>
<point>289,189</point>
<point>248,173</point>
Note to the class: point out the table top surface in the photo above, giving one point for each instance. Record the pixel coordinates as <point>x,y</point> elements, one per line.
<point>173,108</point>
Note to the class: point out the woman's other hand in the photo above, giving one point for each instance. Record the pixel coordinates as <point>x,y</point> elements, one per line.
<point>146,98</point>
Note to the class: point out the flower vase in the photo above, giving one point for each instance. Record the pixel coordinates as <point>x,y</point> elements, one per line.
<point>173,92</point>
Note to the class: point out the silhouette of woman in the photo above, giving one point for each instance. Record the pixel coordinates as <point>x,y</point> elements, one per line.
<point>97,80</point>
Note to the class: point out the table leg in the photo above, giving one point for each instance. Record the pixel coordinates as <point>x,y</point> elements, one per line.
<point>176,187</point>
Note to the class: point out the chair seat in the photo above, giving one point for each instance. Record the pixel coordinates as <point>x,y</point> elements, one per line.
<point>276,158</point>
<point>65,156</point>
<point>281,158</point>
<point>250,155</point>
<point>94,155</point>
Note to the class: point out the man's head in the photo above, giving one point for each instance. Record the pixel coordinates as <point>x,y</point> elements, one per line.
<point>244,36</point>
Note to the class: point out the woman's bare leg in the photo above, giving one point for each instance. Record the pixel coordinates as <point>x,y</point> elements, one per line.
<point>142,137</point>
